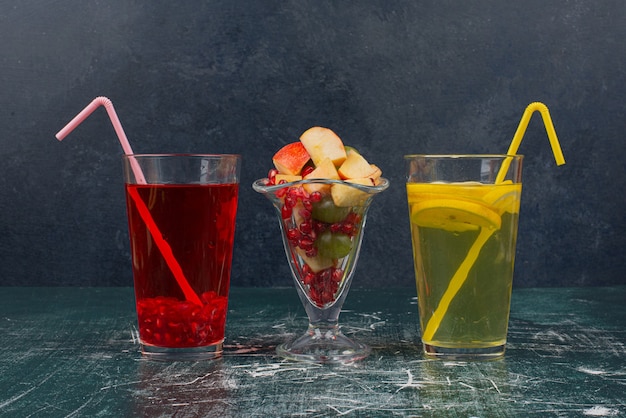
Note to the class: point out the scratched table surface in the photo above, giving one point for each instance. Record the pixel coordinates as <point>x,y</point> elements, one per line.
<point>73,352</point>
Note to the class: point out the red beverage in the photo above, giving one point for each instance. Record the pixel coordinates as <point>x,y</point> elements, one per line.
<point>198,223</point>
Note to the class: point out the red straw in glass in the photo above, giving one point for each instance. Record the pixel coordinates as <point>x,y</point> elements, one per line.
<point>163,246</point>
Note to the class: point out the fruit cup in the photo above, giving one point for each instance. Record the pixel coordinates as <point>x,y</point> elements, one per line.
<point>321,223</point>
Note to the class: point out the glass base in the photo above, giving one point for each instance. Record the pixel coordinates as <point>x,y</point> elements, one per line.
<point>324,345</point>
<point>464,354</point>
<point>209,352</point>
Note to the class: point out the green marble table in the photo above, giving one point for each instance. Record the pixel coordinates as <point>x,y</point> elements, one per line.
<point>71,352</point>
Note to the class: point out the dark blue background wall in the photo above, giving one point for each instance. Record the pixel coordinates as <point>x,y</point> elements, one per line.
<point>390,77</point>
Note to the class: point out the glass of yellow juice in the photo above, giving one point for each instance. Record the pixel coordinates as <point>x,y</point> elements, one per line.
<point>464,212</point>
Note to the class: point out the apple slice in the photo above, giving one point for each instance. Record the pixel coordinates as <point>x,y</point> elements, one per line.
<point>323,143</point>
<point>291,158</point>
<point>325,170</point>
<point>355,166</point>
<point>347,196</point>
<point>375,174</point>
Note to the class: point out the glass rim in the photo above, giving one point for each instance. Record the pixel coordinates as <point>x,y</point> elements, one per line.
<point>462,156</point>
<point>181,154</point>
<point>260,186</point>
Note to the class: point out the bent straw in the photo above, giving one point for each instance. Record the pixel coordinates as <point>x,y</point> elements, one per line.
<point>463,271</point>
<point>143,210</point>
<point>115,121</point>
<point>519,134</point>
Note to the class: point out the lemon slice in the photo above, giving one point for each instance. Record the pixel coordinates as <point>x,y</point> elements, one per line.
<point>454,215</point>
<point>426,191</point>
<point>504,199</point>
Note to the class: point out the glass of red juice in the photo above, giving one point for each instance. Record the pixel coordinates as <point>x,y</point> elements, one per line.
<point>181,219</point>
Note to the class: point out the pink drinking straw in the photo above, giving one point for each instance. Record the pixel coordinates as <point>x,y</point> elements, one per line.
<point>163,246</point>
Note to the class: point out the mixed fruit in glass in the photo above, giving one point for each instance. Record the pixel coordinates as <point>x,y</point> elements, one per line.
<point>322,219</point>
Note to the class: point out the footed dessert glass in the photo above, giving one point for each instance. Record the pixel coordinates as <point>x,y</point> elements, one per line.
<point>321,223</point>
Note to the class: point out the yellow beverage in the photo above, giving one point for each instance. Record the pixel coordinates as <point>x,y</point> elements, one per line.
<point>463,237</point>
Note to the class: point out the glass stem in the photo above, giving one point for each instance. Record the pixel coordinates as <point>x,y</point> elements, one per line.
<point>323,331</point>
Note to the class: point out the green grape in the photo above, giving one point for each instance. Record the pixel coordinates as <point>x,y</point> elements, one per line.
<point>350,149</point>
<point>333,245</point>
<point>326,211</point>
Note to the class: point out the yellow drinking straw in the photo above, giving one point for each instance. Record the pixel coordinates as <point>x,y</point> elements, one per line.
<point>521,130</point>
<point>462,272</point>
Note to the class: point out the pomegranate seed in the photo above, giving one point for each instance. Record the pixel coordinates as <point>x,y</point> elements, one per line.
<point>293,234</point>
<point>286,212</point>
<point>168,321</point>
<point>348,228</point>
<point>307,205</point>
<point>306,227</point>
<point>337,275</point>
<point>327,296</point>
<point>315,296</point>
<point>307,170</point>
<point>306,269</point>
<point>272,176</point>
<point>302,193</point>
<point>315,197</point>
<point>312,252</point>
<point>325,275</point>
<point>280,193</point>
<point>305,243</point>
<point>353,218</point>
<point>333,289</point>
<point>294,193</point>
<point>308,278</point>
<point>290,201</point>
<point>336,227</point>
<point>318,284</point>
<point>318,226</point>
